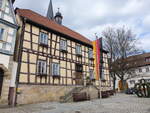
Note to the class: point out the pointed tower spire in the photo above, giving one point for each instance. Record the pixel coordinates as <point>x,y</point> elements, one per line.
<point>50,11</point>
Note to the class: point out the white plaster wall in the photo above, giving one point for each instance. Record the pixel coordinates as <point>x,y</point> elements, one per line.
<point>4,59</point>
<point>13,77</point>
<point>8,18</point>
<point>143,73</point>
<point>140,75</point>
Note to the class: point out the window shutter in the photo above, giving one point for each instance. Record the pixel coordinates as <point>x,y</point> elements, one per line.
<point>61,44</point>
<point>40,38</point>
<point>1,3</point>
<point>39,67</point>
<point>52,69</point>
<point>76,49</point>
<point>46,39</point>
<point>58,68</point>
<point>65,45</point>
<point>1,33</point>
<point>55,69</point>
<point>44,67</point>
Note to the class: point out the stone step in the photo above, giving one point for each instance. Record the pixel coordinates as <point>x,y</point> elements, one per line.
<point>68,97</point>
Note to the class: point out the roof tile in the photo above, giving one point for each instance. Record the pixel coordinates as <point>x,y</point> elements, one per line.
<point>39,19</point>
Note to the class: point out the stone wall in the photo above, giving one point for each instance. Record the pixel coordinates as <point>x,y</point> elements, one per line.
<point>29,94</point>
<point>5,90</point>
<point>92,91</point>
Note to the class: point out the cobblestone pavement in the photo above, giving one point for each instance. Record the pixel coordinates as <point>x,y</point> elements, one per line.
<point>119,103</point>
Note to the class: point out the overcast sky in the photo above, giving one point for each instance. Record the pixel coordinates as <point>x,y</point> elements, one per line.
<point>93,16</point>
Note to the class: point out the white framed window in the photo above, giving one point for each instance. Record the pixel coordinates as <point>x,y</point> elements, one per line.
<point>41,67</point>
<point>102,73</point>
<point>1,33</point>
<point>140,70</point>
<point>55,69</point>
<point>90,53</point>
<point>132,81</point>
<point>78,50</point>
<point>43,38</point>
<point>91,71</point>
<point>79,67</point>
<point>147,69</point>
<point>63,45</point>
<point>147,59</point>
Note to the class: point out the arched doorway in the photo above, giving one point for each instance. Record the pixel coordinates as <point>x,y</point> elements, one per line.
<point>1,80</point>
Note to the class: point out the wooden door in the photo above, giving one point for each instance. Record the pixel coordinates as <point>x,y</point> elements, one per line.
<point>79,78</point>
<point>1,80</point>
<point>79,74</point>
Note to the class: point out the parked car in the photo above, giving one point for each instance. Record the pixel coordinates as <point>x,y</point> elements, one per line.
<point>130,91</point>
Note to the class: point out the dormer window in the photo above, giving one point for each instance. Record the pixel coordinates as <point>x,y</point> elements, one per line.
<point>147,59</point>
<point>78,50</point>
<point>90,54</point>
<point>43,39</point>
<point>63,45</point>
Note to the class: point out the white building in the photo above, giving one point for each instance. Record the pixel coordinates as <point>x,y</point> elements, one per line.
<point>143,72</point>
<point>8,29</point>
<point>141,66</point>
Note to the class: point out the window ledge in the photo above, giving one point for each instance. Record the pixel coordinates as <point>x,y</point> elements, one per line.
<point>103,80</point>
<point>79,55</point>
<point>1,40</point>
<point>91,58</point>
<point>44,45</point>
<point>56,76</point>
<point>40,74</point>
<point>79,71</point>
<point>64,51</point>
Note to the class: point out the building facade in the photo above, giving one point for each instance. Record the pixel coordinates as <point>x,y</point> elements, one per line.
<point>140,66</point>
<point>52,59</point>
<point>142,69</point>
<point>8,29</point>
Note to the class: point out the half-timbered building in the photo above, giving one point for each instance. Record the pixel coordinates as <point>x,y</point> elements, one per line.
<point>52,59</point>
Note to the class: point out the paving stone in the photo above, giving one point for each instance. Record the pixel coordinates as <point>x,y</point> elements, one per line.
<point>119,103</point>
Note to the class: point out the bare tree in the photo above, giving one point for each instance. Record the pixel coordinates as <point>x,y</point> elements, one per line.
<point>121,43</point>
<point>109,42</point>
